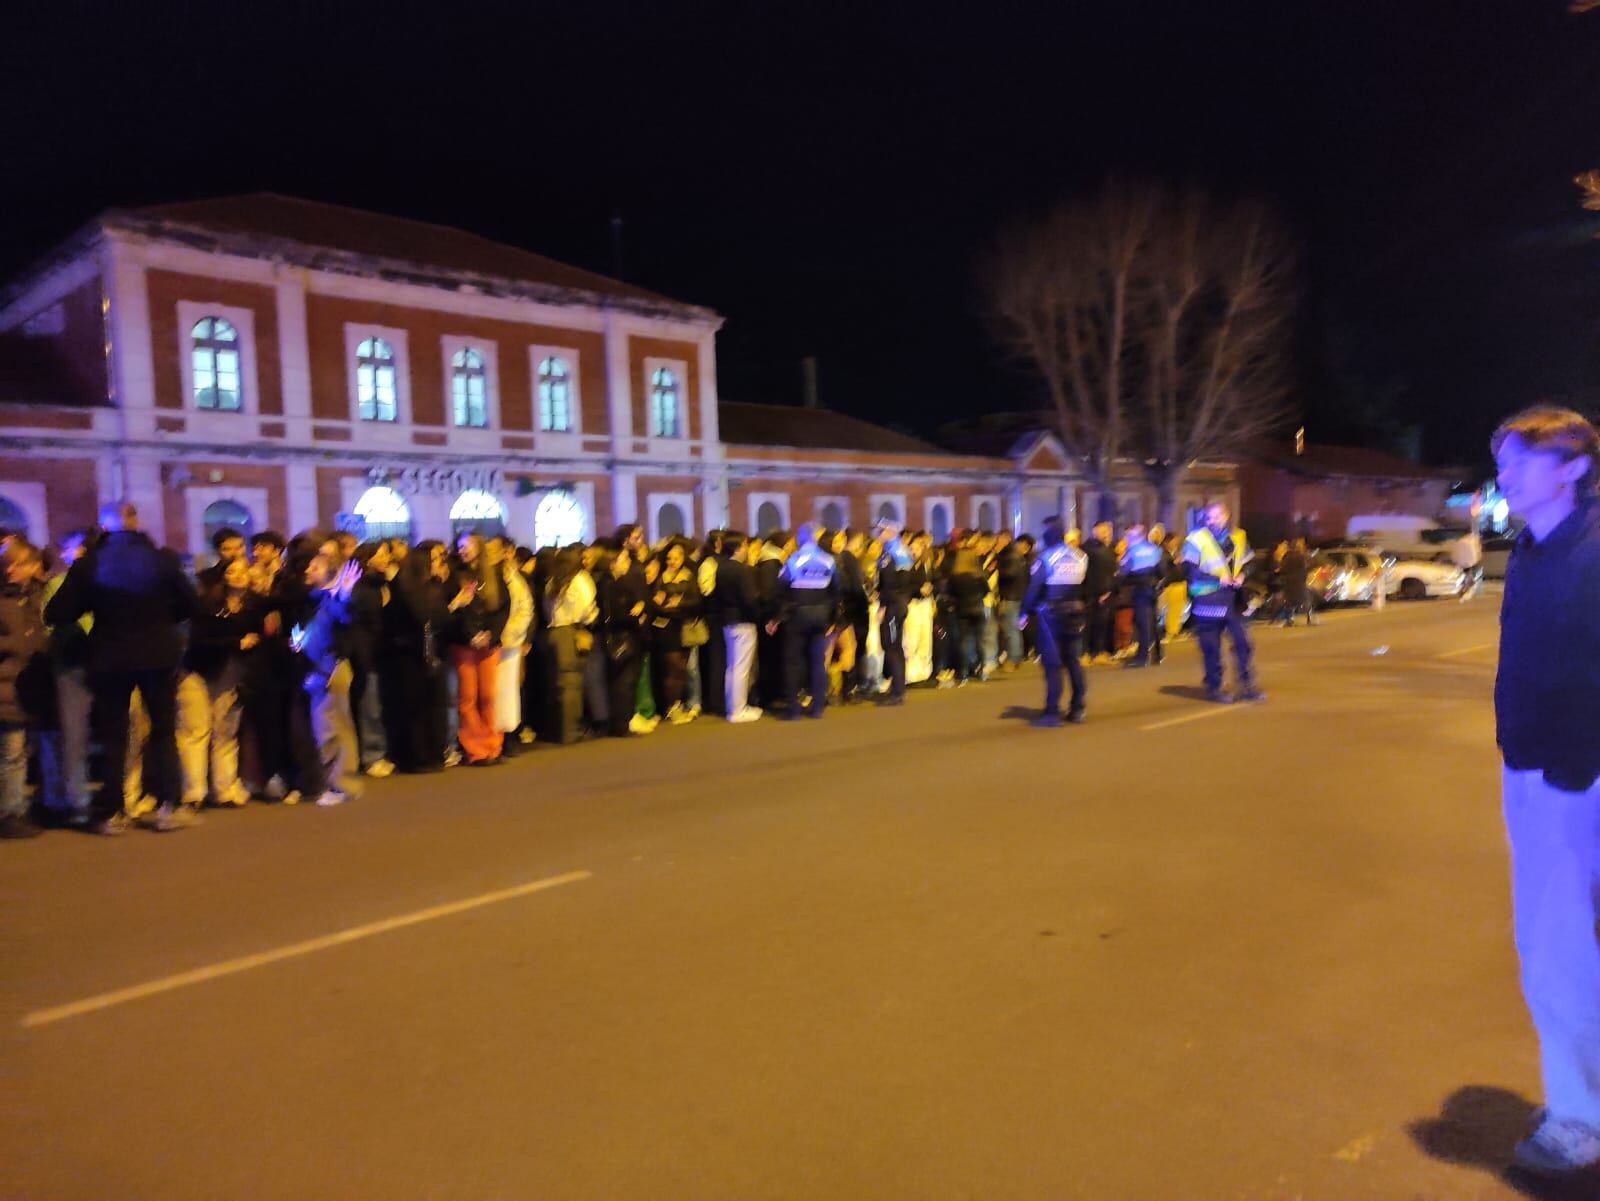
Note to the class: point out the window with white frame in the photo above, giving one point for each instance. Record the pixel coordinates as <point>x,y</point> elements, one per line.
<point>215,365</point>
<point>665,395</point>
<point>477,512</point>
<point>887,508</point>
<point>986,513</point>
<point>377,381</point>
<point>555,395</point>
<point>768,511</point>
<point>939,520</point>
<point>469,388</point>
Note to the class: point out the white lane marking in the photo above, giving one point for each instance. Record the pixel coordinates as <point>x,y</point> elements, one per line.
<point>1214,711</point>
<point>1467,650</point>
<point>105,1000</point>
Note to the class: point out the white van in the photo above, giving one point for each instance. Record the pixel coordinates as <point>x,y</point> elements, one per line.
<point>1403,535</point>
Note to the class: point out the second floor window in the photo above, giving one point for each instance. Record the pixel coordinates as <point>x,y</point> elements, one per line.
<point>555,396</point>
<point>664,403</point>
<point>216,365</point>
<point>467,389</point>
<point>375,381</point>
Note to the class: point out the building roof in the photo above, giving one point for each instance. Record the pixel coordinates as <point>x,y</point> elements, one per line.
<point>284,222</point>
<point>1357,462</point>
<point>812,429</point>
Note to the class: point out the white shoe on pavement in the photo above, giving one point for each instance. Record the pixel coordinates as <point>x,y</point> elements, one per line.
<point>748,713</point>
<point>331,798</point>
<point>275,789</point>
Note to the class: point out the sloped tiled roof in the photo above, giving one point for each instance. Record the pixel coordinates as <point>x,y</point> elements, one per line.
<point>317,226</point>
<point>1357,462</point>
<point>812,429</point>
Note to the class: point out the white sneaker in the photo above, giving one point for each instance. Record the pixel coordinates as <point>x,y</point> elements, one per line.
<point>381,769</point>
<point>1558,1146</point>
<point>452,758</point>
<point>331,798</point>
<point>275,789</point>
<point>748,713</point>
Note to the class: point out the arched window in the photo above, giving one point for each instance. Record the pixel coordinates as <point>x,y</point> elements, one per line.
<point>988,519</point>
<point>468,381</point>
<point>385,513</point>
<point>669,521</point>
<point>215,358</point>
<point>227,514</point>
<point>664,403</point>
<point>555,396</point>
<point>559,520</point>
<point>888,512</point>
<point>12,519</point>
<point>833,516</point>
<point>477,512</point>
<point>376,397</point>
<point>768,518</point>
<point>939,523</point>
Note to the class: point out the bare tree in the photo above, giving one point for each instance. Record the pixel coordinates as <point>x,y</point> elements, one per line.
<point>1221,279</point>
<point>1157,319</point>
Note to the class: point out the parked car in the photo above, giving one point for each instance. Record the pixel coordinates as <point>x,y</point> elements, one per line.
<point>1416,578</point>
<point>1496,553</point>
<point>1344,575</point>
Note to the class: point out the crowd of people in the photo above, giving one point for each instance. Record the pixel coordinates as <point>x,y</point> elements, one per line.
<point>298,669</point>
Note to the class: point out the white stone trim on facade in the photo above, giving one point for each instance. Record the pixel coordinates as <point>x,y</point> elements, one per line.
<point>653,503</point>
<point>877,500</point>
<point>466,437</point>
<point>557,441</point>
<point>30,498</point>
<point>822,502</point>
<point>753,503</point>
<point>386,433</point>
<point>208,422</point>
<point>976,512</point>
<point>197,498</point>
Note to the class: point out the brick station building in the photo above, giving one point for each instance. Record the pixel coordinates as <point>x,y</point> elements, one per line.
<point>262,361</point>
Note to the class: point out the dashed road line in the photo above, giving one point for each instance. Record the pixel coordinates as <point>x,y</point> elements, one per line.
<point>229,967</point>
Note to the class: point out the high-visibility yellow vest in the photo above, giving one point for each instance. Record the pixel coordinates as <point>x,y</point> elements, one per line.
<point>1213,560</point>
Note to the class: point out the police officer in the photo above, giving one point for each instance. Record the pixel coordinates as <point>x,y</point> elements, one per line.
<point>897,583</point>
<point>1141,570</point>
<point>808,589</point>
<point>1055,603</point>
<point>1214,558</point>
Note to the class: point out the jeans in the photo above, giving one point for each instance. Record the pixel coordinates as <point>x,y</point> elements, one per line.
<point>691,679</point>
<point>374,739</point>
<point>1007,613</point>
<point>805,650</point>
<point>566,666</point>
<point>333,728</point>
<point>13,771</point>
<point>1060,647</point>
<point>64,752</point>
<point>990,640</point>
<point>1552,836</point>
<point>740,664</point>
<point>208,738</point>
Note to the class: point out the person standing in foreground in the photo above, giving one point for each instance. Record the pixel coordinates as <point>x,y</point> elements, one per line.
<point>1546,693</point>
<point>1141,568</point>
<point>1055,600</point>
<point>140,598</point>
<point>1214,556</point>
<point>809,595</point>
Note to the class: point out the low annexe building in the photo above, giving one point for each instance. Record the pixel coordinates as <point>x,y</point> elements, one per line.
<point>262,361</point>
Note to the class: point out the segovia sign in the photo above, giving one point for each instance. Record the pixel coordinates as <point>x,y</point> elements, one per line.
<point>438,481</point>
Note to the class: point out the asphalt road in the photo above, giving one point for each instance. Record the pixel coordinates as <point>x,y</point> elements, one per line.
<point>1178,952</point>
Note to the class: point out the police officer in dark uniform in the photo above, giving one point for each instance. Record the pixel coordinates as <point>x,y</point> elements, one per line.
<point>898,582</point>
<point>1055,604</point>
<point>1141,569</point>
<point>809,597</point>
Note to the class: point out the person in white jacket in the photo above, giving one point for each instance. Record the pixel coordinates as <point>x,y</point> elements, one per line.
<point>513,643</point>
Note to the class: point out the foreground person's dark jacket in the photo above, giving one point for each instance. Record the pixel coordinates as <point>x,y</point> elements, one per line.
<point>139,596</point>
<point>1547,688</point>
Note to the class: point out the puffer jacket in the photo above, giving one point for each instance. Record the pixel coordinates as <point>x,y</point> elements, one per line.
<point>27,693</point>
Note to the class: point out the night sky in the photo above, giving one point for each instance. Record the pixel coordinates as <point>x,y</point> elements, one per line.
<point>825,175</point>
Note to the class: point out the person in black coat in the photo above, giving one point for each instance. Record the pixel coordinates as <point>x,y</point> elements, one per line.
<point>1099,590</point>
<point>140,599</point>
<point>623,605</point>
